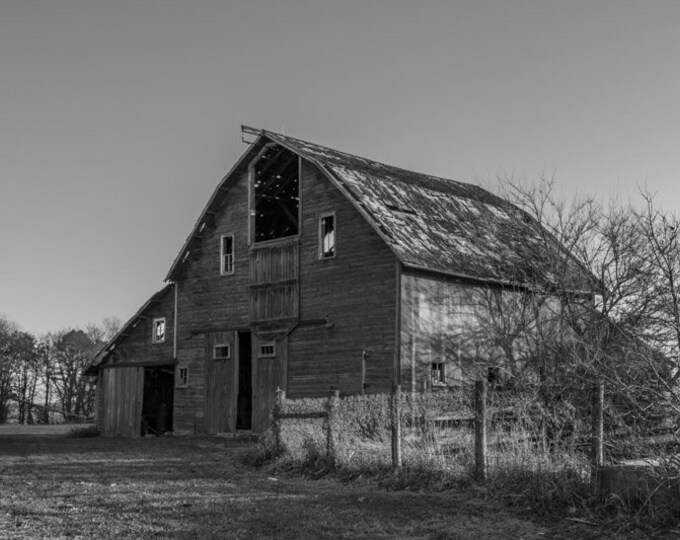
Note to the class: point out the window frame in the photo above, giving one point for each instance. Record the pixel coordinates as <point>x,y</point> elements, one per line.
<point>441,380</point>
<point>218,346</point>
<point>182,382</point>
<point>264,344</point>
<point>252,200</point>
<point>154,323</point>
<point>321,253</point>
<point>224,269</point>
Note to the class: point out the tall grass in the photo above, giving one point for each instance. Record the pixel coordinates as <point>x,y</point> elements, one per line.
<point>537,455</point>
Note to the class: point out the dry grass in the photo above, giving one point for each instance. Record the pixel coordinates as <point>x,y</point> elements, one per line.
<point>57,487</point>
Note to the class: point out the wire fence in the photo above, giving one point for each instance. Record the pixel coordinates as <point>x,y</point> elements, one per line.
<point>478,429</point>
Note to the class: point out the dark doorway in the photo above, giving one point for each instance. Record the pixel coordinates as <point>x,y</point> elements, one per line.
<point>244,410</point>
<point>159,384</point>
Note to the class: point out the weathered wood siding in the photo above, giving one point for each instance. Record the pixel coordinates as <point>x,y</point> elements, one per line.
<point>355,291</point>
<point>137,346</point>
<point>122,410</point>
<point>274,281</point>
<point>283,293</point>
<point>136,349</point>
<point>470,328</point>
<point>210,302</point>
<point>221,385</point>
<point>268,375</point>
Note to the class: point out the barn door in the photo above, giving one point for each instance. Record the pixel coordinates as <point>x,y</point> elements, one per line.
<point>269,373</point>
<point>221,383</point>
<point>122,396</point>
<point>244,406</point>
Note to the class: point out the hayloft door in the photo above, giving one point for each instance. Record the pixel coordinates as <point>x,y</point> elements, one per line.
<point>221,382</point>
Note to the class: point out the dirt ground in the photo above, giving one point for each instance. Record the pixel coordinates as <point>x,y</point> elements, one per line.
<point>57,487</point>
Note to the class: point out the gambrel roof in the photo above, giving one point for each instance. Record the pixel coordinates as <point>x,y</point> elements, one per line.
<point>430,223</point>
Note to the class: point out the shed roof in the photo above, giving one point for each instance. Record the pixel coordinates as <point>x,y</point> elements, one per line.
<point>432,223</point>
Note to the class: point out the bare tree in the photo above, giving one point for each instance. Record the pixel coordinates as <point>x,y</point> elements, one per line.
<point>25,374</point>
<point>69,354</point>
<point>7,363</point>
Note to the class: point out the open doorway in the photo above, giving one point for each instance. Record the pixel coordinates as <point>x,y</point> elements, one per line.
<point>244,409</point>
<point>159,384</point>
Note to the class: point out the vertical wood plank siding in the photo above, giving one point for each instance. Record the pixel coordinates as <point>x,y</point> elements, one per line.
<point>221,383</point>
<point>286,280</point>
<point>136,348</point>
<point>122,411</point>
<point>208,300</point>
<point>355,290</point>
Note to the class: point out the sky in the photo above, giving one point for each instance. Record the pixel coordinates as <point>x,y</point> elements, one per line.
<point>118,119</point>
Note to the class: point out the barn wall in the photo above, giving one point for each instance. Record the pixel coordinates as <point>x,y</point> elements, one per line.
<point>137,346</point>
<point>122,410</point>
<point>136,349</point>
<point>356,290</point>
<point>470,328</point>
<point>209,302</point>
<point>311,358</point>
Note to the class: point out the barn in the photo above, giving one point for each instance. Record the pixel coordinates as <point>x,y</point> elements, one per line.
<point>310,270</point>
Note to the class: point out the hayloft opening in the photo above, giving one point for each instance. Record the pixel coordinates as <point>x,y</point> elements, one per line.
<point>276,194</point>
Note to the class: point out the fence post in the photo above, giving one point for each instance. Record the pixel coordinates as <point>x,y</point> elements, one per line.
<point>331,414</point>
<point>480,430</point>
<point>597,442</point>
<point>277,413</point>
<point>396,427</point>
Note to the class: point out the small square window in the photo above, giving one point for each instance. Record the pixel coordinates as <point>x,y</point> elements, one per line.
<point>267,350</point>
<point>227,254</point>
<point>182,377</point>
<point>327,236</point>
<point>222,351</point>
<point>158,335</point>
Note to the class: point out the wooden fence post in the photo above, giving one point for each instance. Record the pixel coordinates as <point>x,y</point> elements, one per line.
<point>396,427</point>
<point>597,439</point>
<point>480,430</point>
<point>331,428</point>
<point>277,413</point>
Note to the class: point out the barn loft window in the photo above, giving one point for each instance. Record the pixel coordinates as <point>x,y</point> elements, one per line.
<point>158,334</point>
<point>222,351</point>
<point>327,236</point>
<point>267,350</point>
<point>227,254</point>
<point>182,377</point>
<point>276,194</point>
<point>438,374</point>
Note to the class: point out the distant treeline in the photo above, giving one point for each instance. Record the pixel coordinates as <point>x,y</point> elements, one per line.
<point>42,378</point>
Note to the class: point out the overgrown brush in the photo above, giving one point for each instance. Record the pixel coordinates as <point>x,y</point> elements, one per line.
<point>538,454</point>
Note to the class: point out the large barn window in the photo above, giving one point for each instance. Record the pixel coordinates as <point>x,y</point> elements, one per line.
<point>276,194</point>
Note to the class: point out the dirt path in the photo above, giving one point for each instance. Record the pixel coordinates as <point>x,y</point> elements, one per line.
<point>198,488</point>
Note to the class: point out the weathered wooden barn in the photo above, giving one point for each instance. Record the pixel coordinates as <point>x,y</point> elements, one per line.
<point>309,270</point>
<point>136,372</point>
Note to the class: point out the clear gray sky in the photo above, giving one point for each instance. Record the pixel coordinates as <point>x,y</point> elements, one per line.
<point>117,119</point>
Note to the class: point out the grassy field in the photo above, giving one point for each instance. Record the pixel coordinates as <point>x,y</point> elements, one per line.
<point>58,487</point>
